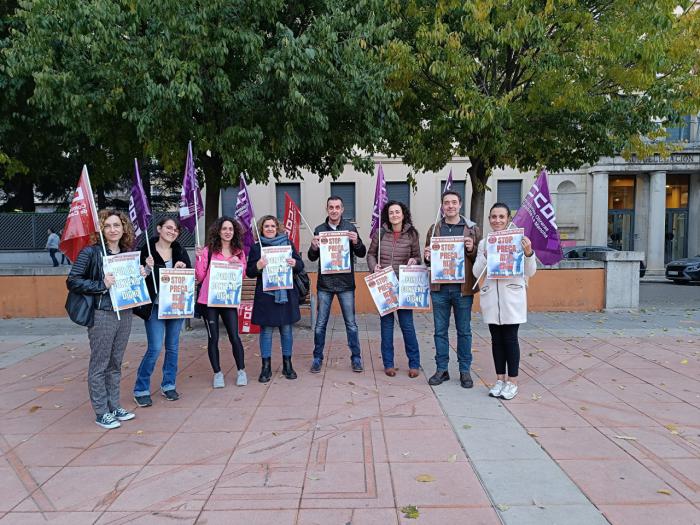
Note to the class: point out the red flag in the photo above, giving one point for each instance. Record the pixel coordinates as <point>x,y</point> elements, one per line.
<point>82,219</point>
<point>292,220</point>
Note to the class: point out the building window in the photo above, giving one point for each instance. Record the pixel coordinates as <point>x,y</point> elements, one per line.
<point>621,192</point>
<point>509,192</point>
<point>677,188</point>
<point>398,191</point>
<point>346,191</point>
<point>457,185</point>
<point>294,190</point>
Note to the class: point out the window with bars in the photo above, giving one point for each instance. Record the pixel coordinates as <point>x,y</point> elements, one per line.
<point>509,192</point>
<point>346,191</point>
<point>294,190</point>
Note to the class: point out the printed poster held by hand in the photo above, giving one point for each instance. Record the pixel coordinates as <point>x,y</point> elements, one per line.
<point>129,289</point>
<point>334,252</point>
<point>383,286</point>
<point>505,257</point>
<point>277,275</point>
<point>176,293</point>
<point>447,260</point>
<point>225,283</point>
<point>414,288</point>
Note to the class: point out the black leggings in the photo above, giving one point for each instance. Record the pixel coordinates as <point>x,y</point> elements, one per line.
<point>230,318</point>
<point>505,348</point>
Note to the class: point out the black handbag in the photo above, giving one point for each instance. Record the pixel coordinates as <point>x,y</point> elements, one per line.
<point>302,283</point>
<point>80,308</point>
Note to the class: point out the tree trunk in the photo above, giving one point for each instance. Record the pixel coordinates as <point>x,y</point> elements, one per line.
<point>101,199</point>
<point>478,175</point>
<point>213,174</point>
<point>21,188</point>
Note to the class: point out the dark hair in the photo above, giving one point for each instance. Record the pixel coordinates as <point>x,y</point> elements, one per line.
<point>175,220</point>
<point>451,192</point>
<point>334,198</point>
<point>264,219</point>
<point>214,244</point>
<point>52,230</point>
<point>500,205</point>
<point>406,216</point>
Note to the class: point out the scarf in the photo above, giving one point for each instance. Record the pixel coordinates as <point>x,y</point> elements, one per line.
<point>280,240</point>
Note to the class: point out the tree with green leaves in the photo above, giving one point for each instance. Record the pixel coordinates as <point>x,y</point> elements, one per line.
<point>263,87</point>
<point>538,83</point>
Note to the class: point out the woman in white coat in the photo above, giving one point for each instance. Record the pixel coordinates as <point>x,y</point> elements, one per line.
<point>504,308</point>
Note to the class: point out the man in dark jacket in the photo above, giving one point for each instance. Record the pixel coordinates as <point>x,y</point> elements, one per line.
<point>456,297</point>
<point>340,284</point>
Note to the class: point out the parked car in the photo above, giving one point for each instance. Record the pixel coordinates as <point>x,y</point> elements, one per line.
<point>684,270</point>
<point>581,252</point>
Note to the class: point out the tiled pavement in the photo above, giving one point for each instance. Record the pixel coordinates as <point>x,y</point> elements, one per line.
<point>606,427</point>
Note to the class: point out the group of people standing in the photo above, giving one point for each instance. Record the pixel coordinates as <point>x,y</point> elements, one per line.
<point>503,301</point>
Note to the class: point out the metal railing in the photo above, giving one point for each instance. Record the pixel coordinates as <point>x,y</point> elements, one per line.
<point>27,231</point>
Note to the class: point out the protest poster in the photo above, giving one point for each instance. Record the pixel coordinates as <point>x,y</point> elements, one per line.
<point>414,287</point>
<point>245,319</point>
<point>447,260</point>
<point>129,290</point>
<point>505,257</point>
<point>277,275</point>
<point>384,288</point>
<point>176,293</point>
<point>335,252</point>
<point>225,283</point>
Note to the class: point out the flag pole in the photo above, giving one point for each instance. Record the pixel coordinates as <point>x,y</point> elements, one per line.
<point>257,233</point>
<point>153,274</point>
<point>196,215</point>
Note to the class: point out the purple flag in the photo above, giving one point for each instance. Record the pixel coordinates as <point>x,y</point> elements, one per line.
<point>380,200</point>
<point>139,212</point>
<point>191,206</point>
<point>448,182</point>
<point>245,215</point>
<point>536,216</point>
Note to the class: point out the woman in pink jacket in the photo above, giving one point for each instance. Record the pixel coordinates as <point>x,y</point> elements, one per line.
<point>225,244</point>
<point>504,307</point>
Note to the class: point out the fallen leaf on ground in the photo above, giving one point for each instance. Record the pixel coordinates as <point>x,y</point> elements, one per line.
<point>621,387</point>
<point>502,507</point>
<point>410,512</point>
<point>627,438</point>
<point>404,454</point>
<point>536,397</point>
<point>34,409</point>
<point>466,427</point>
<point>452,458</point>
<point>425,478</point>
<point>313,478</point>
<point>684,362</point>
<point>583,408</point>
<point>664,491</point>
<point>532,434</point>
<point>672,428</point>
<point>139,432</point>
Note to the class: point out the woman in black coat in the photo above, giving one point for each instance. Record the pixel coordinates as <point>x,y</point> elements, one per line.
<point>167,253</point>
<point>279,308</point>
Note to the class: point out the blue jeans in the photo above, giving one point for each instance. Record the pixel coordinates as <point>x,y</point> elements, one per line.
<point>443,302</point>
<point>266,340</point>
<point>409,338</point>
<point>157,332</point>
<point>347,307</point>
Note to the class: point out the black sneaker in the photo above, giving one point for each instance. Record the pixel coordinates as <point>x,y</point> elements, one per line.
<point>357,364</point>
<point>465,379</point>
<point>108,421</point>
<point>143,401</point>
<point>123,414</point>
<point>316,365</point>
<point>439,377</point>
<point>170,395</point>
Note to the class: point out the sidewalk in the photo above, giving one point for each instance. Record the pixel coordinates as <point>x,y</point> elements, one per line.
<point>606,427</point>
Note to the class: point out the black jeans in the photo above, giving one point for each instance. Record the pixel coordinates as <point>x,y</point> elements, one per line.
<point>52,253</point>
<point>230,318</point>
<point>505,348</point>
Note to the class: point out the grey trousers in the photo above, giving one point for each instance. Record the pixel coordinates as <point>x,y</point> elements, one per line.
<point>108,338</point>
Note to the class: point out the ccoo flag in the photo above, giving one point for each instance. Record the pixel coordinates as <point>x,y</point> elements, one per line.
<point>536,216</point>
<point>245,215</point>
<point>292,220</point>
<point>380,200</point>
<point>191,206</point>
<point>139,212</point>
<point>82,220</point>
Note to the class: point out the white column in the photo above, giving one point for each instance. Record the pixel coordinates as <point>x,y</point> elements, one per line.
<point>657,222</point>
<point>599,209</point>
<point>641,212</point>
<point>694,215</point>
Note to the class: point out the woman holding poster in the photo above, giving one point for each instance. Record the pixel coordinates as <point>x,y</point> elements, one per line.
<point>504,304</point>
<point>277,307</point>
<point>167,253</point>
<point>400,245</point>
<point>225,244</point>
<point>109,333</point>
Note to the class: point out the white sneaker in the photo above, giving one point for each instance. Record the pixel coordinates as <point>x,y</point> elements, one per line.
<point>242,379</point>
<point>509,391</point>
<point>219,380</point>
<point>497,389</point>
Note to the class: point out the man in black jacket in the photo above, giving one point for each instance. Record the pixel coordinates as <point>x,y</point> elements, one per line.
<point>340,284</point>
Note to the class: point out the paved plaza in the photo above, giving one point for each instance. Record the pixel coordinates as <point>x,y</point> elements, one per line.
<point>605,429</point>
